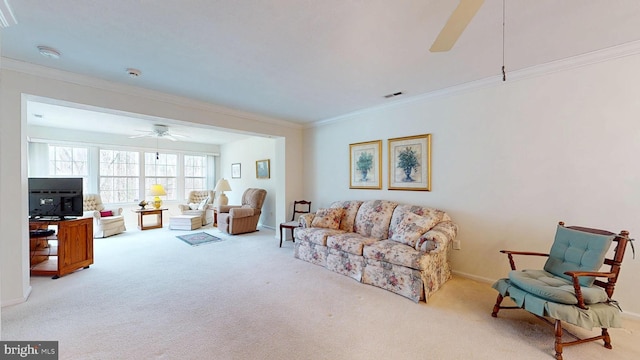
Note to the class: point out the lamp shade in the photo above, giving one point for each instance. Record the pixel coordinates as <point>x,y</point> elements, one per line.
<point>222,185</point>
<point>157,190</point>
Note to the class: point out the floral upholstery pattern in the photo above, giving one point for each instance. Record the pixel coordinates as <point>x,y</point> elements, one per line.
<point>346,264</point>
<point>373,218</point>
<point>365,246</point>
<point>350,211</point>
<point>397,279</point>
<point>328,218</point>
<point>313,253</point>
<point>351,243</point>
<point>411,228</point>
<point>315,235</point>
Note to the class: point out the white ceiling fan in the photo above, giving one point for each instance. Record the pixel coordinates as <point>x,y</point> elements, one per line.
<point>159,131</point>
<point>458,21</point>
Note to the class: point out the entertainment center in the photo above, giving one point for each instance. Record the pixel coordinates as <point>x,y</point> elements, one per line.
<point>74,248</point>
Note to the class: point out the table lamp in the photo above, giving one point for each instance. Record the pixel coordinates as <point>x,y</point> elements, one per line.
<point>157,190</point>
<point>221,187</point>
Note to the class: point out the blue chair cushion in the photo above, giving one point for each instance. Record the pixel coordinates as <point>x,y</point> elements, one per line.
<point>554,288</point>
<point>575,250</point>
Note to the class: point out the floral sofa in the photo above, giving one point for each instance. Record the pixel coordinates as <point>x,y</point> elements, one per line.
<point>401,248</point>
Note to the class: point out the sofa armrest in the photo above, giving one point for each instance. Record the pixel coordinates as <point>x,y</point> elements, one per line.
<point>438,238</point>
<point>241,212</point>
<point>305,220</point>
<point>91,214</point>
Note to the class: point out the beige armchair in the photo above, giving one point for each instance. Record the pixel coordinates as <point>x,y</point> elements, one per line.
<point>199,203</point>
<point>239,219</point>
<point>106,221</point>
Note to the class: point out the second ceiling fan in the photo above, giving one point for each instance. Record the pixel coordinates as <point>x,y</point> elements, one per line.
<point>458,21</point>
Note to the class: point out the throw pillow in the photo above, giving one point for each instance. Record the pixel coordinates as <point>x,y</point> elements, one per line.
<point>411,228</point>
<point>193,206</point>
<point>203,203</point>
<point>106,213</point>
<point>328,218</point>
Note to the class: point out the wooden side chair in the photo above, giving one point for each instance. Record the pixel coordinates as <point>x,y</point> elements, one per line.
<point>567,289</point>
<point>299,207</point>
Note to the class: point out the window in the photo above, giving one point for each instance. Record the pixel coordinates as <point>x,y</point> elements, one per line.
<point>69,161</point>
<point>161,169</point>
<point>119,176</point>
<point>195,173</point>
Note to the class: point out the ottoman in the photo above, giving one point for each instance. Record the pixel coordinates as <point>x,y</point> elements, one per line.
<point>185,222</point>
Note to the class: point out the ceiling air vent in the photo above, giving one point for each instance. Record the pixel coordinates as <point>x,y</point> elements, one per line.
<point>389,96</point>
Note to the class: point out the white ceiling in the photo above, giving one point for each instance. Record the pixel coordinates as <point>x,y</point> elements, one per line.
<point>307,60</point>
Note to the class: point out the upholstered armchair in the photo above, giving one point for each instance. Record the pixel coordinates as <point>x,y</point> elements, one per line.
<point>199,203</point>
<point>106,222</point>
<point>239,219</point>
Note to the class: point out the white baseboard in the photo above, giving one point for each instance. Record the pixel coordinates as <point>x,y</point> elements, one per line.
<point>17,300</point>
<point>625,314</point>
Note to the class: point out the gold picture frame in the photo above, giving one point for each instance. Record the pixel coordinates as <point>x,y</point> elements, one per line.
<point>365,165</point>
<point>263,169</point>
<point>410,163</point>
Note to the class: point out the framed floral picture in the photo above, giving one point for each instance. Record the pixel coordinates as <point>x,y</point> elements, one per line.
<point>410,163</point>
<point>236,171</point>
<point>365,165</point>
<point>263,169</point>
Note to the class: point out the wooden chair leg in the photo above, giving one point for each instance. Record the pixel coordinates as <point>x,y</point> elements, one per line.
<point>606,338</point>
<point>496,307</point>
<point>558,328</point>
<point>292,238</point>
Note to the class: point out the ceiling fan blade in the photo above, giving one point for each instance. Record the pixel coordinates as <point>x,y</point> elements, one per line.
<point>170,137</point>
<point>460,18</point>
<point>138,136</point>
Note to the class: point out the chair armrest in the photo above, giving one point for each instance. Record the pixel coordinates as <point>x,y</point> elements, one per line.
<point>91,214</point>
<point>575,275</point>
<point>115,211</point>
<point>526,253</point>
<point>226,208</point>
<point>241,212</point>
<point>305,220</point>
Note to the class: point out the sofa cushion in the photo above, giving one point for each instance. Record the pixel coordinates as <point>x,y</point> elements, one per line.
<point>315,235</point>
<point>400,211</point>
<point>373,218</point>
<point>411,228</point>
<point>351,243</point>
<point>554,288</point>
<point>396,253</point>
<point>350,210</point>
<point>328,218</point>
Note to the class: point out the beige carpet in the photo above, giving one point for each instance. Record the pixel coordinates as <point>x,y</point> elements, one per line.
<point>151,296</point>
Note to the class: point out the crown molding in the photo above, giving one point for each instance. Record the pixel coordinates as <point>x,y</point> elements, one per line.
<point>6,15</point>
<point>84,80</point>
<point>594,57</point>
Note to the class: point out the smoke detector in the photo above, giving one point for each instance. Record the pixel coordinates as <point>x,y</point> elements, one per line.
<point>49,52</point>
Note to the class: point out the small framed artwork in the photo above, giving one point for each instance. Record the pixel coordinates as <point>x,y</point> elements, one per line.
<point>263,169</point>
<point>235,171</point>
<point>410,163</point>
<point>365,165</point>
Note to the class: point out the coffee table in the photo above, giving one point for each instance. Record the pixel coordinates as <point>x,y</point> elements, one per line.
<point>142,212</point>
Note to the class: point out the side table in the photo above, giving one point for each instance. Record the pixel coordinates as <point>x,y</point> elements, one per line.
<point>142,212</point>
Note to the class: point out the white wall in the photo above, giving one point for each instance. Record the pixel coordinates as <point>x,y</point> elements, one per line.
<point>510,160</point>
<point>247,152</point>
<point>30,80</point>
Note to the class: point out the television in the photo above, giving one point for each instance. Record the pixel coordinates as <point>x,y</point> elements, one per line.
<point>55,198</point>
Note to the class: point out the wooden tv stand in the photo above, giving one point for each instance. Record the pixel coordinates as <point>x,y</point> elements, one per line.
<point>74,249</point>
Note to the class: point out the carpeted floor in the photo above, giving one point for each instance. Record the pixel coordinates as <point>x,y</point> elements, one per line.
<point>148,296</point>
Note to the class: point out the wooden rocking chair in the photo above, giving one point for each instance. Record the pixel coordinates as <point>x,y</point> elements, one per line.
<point>567,289</point>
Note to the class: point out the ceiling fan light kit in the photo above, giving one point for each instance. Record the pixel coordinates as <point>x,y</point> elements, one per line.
<point>48,52</point>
